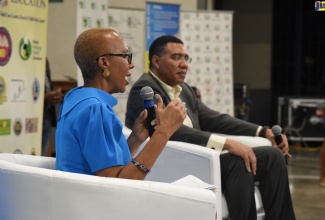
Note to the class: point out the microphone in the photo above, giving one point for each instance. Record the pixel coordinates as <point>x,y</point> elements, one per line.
<point>276,129</point>
<point>147,94</point>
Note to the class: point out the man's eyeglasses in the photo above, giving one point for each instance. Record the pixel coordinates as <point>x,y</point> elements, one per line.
<point>179,58</point>
<point>127,56</point>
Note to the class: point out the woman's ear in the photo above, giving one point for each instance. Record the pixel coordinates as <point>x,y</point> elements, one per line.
<point>103,63</point>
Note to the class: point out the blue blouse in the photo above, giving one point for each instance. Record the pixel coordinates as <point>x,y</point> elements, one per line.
<point>89,135</point>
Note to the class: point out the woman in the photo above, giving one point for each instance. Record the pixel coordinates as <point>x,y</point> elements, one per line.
<point>89,136</point>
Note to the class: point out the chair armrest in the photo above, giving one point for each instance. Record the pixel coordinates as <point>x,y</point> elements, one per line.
<point>250,141</point>
<point>179,159</point>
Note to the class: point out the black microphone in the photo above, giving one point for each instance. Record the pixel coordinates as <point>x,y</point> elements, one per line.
<point>276,129</point>
<point>147,94</point>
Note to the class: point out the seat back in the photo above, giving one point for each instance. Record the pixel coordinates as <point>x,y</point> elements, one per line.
<point>29,160</point>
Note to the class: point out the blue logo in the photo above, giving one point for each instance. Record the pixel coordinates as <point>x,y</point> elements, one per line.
<point>319,5</point>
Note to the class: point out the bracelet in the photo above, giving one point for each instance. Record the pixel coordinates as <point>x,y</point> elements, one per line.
<point>263,132</point>
<point>140,166</point>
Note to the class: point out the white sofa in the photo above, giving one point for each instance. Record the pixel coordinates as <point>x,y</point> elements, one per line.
<point>32,190</point>
<point>180,159</point>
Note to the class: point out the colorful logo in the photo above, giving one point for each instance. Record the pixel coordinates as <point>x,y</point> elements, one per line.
<point>5,126</point>
<point>18,127</point>
<point>17,151</point>
<point>5,46</point>
<point>319,5</point>
<point>36,89</point>
<point>3,3</point>
<point>25,48</point>
<point>31,125</point>
<point>3,96</point>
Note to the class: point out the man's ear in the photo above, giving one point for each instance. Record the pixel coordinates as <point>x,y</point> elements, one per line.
<point>155,62</point>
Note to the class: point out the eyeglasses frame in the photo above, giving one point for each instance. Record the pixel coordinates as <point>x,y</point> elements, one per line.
<point>129,56</point>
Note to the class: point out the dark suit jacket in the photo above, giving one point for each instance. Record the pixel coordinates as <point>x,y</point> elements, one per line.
<point>205,120</point>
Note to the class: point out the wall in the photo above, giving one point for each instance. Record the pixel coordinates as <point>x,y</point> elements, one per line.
<point>62,31</point>
<point>252,43</point>
<point>61,37</point>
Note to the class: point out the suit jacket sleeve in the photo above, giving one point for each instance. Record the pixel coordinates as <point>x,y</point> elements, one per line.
<point>205,120</point>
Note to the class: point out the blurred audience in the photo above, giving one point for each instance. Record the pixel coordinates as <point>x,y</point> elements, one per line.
<point>321,113</point>
<point>51,98</point>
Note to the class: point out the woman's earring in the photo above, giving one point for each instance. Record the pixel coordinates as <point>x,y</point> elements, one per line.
<point>106,73</point>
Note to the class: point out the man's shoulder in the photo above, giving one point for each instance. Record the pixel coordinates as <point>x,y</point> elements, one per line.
<point>144,80</point>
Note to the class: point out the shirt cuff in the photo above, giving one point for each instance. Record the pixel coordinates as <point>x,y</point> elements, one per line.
<point>258,131</point>
<point>216,142</point>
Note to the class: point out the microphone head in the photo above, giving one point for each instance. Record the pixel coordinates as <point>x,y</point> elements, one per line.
<point>276,129</point>
<point>146,93</point>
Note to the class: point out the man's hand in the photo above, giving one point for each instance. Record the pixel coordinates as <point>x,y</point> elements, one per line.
<point>244,152</point>
<point>283,146</point>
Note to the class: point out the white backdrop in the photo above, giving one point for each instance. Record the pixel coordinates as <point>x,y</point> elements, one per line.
<point>207,36</point>
<point>90,14</point>
<point>131,25</point>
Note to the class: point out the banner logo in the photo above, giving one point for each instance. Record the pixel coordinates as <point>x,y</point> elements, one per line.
<point>36,89</point>
<point>31,125</point>
<point>5,46</point>
<point>25,48</point>
<point>3,97</point>
<point>5,126</point>
<point>3,3</point>
<point>319,5</point>
<point>18,126</point>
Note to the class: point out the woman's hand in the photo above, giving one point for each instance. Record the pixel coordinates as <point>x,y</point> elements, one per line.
<point>139,129</point>
<point>170,118</point>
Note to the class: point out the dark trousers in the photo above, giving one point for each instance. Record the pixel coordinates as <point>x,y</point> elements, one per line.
<point>272,175</point>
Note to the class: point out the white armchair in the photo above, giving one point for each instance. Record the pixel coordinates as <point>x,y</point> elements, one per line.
<point>32,190</point>
<point>180,159</point>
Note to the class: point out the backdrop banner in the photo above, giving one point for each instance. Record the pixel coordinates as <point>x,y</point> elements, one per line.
<point>23,35</point>
<point>130,25</point>
<point>161,19</point>
<point>90,14</point>
<point>207,36</point>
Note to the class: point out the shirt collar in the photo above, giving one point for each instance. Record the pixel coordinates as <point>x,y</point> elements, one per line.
<point>173,92</point>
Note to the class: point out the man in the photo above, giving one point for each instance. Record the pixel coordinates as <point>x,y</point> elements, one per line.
<point>239,168</point>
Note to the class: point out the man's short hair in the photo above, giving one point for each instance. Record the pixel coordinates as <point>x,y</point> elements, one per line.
<point>158,45</point>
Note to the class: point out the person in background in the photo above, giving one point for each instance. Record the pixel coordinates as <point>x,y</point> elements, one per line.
<point>320,112</point>
<point>51,98</point>
<point>197,92</point>
<point>89,137</point>
<point>243,165</point>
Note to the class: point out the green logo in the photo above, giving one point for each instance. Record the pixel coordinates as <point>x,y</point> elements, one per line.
<point>25,48</point>
<point>5,126</point>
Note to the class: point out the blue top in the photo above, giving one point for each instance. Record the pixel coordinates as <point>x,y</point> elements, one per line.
<point>89,135</point>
